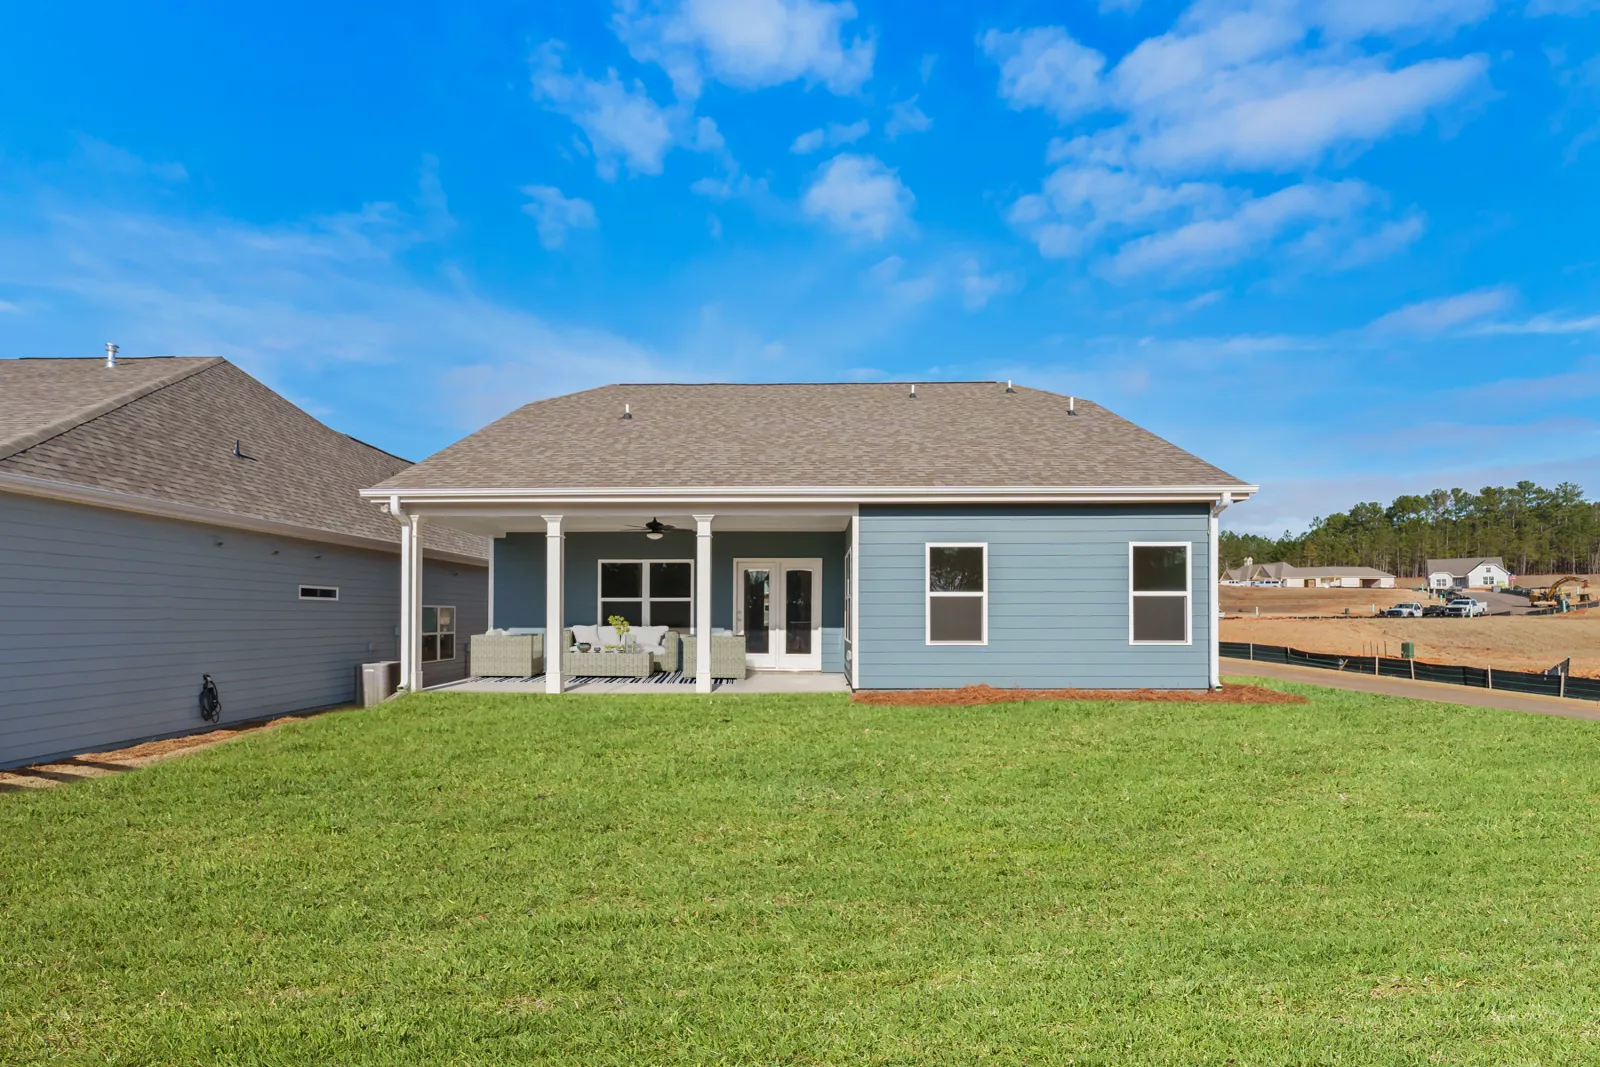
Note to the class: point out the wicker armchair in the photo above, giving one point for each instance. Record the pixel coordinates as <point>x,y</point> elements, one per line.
<point>506,655</point>
<point>727,656</point>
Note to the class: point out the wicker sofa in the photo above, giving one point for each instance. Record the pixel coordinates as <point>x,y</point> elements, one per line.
<point>664,656</point>
<point>506,655</point>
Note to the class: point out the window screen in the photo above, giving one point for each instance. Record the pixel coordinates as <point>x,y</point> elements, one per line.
<point>957,594</point>
<point>1159,588</point>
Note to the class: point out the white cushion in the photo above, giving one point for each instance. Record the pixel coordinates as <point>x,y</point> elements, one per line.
<point>650,638</point>
<point>585,635</point>
<point>607,635</point>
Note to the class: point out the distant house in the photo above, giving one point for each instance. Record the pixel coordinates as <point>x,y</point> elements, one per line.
<point>1468,572</point>
<point>1313,577</point>
<point>162,520</point>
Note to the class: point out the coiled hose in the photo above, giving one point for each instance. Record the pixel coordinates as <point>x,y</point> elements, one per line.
<point>210,700</point>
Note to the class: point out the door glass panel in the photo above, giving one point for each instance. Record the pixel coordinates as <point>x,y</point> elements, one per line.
<point>797,612</point>
<point>757,611</point>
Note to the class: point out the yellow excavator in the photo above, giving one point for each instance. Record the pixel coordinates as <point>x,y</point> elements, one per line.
<point>1563,591</point>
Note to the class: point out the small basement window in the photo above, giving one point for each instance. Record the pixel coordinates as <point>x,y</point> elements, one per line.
<point>438,634</point>
<point>319,592</point>
<point>958,594</point>
<point>1158,593</point>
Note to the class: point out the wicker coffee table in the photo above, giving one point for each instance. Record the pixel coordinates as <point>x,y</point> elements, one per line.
<point>607,664</point>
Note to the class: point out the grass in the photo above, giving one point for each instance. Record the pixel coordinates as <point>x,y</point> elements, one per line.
<point>619,880</point>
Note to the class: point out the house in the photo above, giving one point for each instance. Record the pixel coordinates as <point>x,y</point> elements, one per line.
<point>1313,577</point>
<point>164,520</point>
<point>1468,572</point>
<point>896,536</point>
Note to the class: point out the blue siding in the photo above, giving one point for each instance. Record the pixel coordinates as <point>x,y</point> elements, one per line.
<point>108,619</point>
<point>1058,598</point>
<point>519,565</point>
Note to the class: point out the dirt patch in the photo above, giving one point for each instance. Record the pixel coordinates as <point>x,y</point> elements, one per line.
<point>117,760</point>
<point>1512,643</point>
<point>987,694</point>
<point>1246,600</point>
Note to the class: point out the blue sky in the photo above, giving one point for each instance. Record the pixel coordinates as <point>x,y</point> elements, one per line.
<point>1344,248</point>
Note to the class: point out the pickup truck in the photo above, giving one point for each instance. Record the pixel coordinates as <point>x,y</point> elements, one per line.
<point>1409,610</point>
<point>1465,608</point>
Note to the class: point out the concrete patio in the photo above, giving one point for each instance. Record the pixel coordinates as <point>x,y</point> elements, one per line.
<point>752,682</point>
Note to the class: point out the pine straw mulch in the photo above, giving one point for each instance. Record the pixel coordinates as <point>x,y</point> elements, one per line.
<point>988,694</point>
<point>115,761</point>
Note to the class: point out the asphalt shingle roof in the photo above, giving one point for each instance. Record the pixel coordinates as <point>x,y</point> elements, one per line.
<point>967,434</point>
<point>1462,565</point>
<point>165,428</point>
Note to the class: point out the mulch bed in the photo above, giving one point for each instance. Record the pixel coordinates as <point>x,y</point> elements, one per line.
<point>988,694</point>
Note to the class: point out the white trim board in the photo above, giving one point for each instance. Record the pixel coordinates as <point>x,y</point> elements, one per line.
<point>694,496</point>
<point>24,485</point>
<point>1187,594</point>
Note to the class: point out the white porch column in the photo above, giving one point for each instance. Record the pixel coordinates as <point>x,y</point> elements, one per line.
<point>406,549</point>
<point>702,604</point>
<point>554,600</point>
<point>1214,601</point>
<point>415,612</point>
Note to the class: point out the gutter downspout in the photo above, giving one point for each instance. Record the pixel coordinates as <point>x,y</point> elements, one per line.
<point>406,550</point>
<point>1214,602</point>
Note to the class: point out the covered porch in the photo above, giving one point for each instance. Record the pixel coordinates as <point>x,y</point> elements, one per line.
<point>770,585</point>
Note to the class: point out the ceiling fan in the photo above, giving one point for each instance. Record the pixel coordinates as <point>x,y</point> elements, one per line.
<point>654,529</point>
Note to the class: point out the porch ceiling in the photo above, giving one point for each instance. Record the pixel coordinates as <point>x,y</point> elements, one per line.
<point>499,521</point>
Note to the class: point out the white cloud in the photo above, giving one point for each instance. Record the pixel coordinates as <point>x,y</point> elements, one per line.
<point>555,214</point>
<point>859,196</point>
<point>978,288</point>
<point>906,117</point>
<point>622,123</point>
<point>830,136</point>
<point>108,157</point>
<point>748,44</point>
<point>1209,243</point>
<point>1270,85</point>
<point>1045,67</point>
<point>1436,316</point>
<point>1544,325</point>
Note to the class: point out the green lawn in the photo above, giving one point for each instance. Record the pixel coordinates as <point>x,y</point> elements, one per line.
<point>797,880</point>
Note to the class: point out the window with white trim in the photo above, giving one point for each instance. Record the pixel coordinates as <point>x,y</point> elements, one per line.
<point>438,633</point>
<point>319,592</point>
<point>1158,593</point>
<point>648,592</point>
<point>957,594</point>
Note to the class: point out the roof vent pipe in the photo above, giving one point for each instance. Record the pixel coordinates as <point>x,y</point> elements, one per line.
<point>627,411</point>
<point>111,354</point>
<point>1072,405</point>
<point>913,390</point>
<point>1009,387</point>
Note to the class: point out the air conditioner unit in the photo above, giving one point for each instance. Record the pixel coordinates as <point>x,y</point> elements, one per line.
<point>376,682</point>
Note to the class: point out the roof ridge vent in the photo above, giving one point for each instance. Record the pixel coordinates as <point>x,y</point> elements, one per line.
<point>111,355</point>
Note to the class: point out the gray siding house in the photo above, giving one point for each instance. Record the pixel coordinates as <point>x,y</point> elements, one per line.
<point>166,519</point>
<point>899,536</point>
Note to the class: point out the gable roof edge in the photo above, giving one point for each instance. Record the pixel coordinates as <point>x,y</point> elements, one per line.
<point>28,439</point>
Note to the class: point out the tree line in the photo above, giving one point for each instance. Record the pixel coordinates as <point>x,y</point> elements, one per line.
<point>1534,529</point>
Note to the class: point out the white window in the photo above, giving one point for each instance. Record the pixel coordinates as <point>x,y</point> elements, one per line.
<point>957,594</point>
<point>648,592</point>
<point>319,592</point>
<point>1158,593</point>
<point>438,633</point>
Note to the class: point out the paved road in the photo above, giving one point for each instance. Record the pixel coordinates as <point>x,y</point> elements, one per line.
<point>1404,687</point>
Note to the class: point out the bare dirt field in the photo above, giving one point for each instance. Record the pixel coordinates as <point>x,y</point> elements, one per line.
<point>1245,599</point>
<point>1517,643</point>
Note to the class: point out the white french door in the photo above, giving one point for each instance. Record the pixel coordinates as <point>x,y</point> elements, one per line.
<point>777,609</point>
